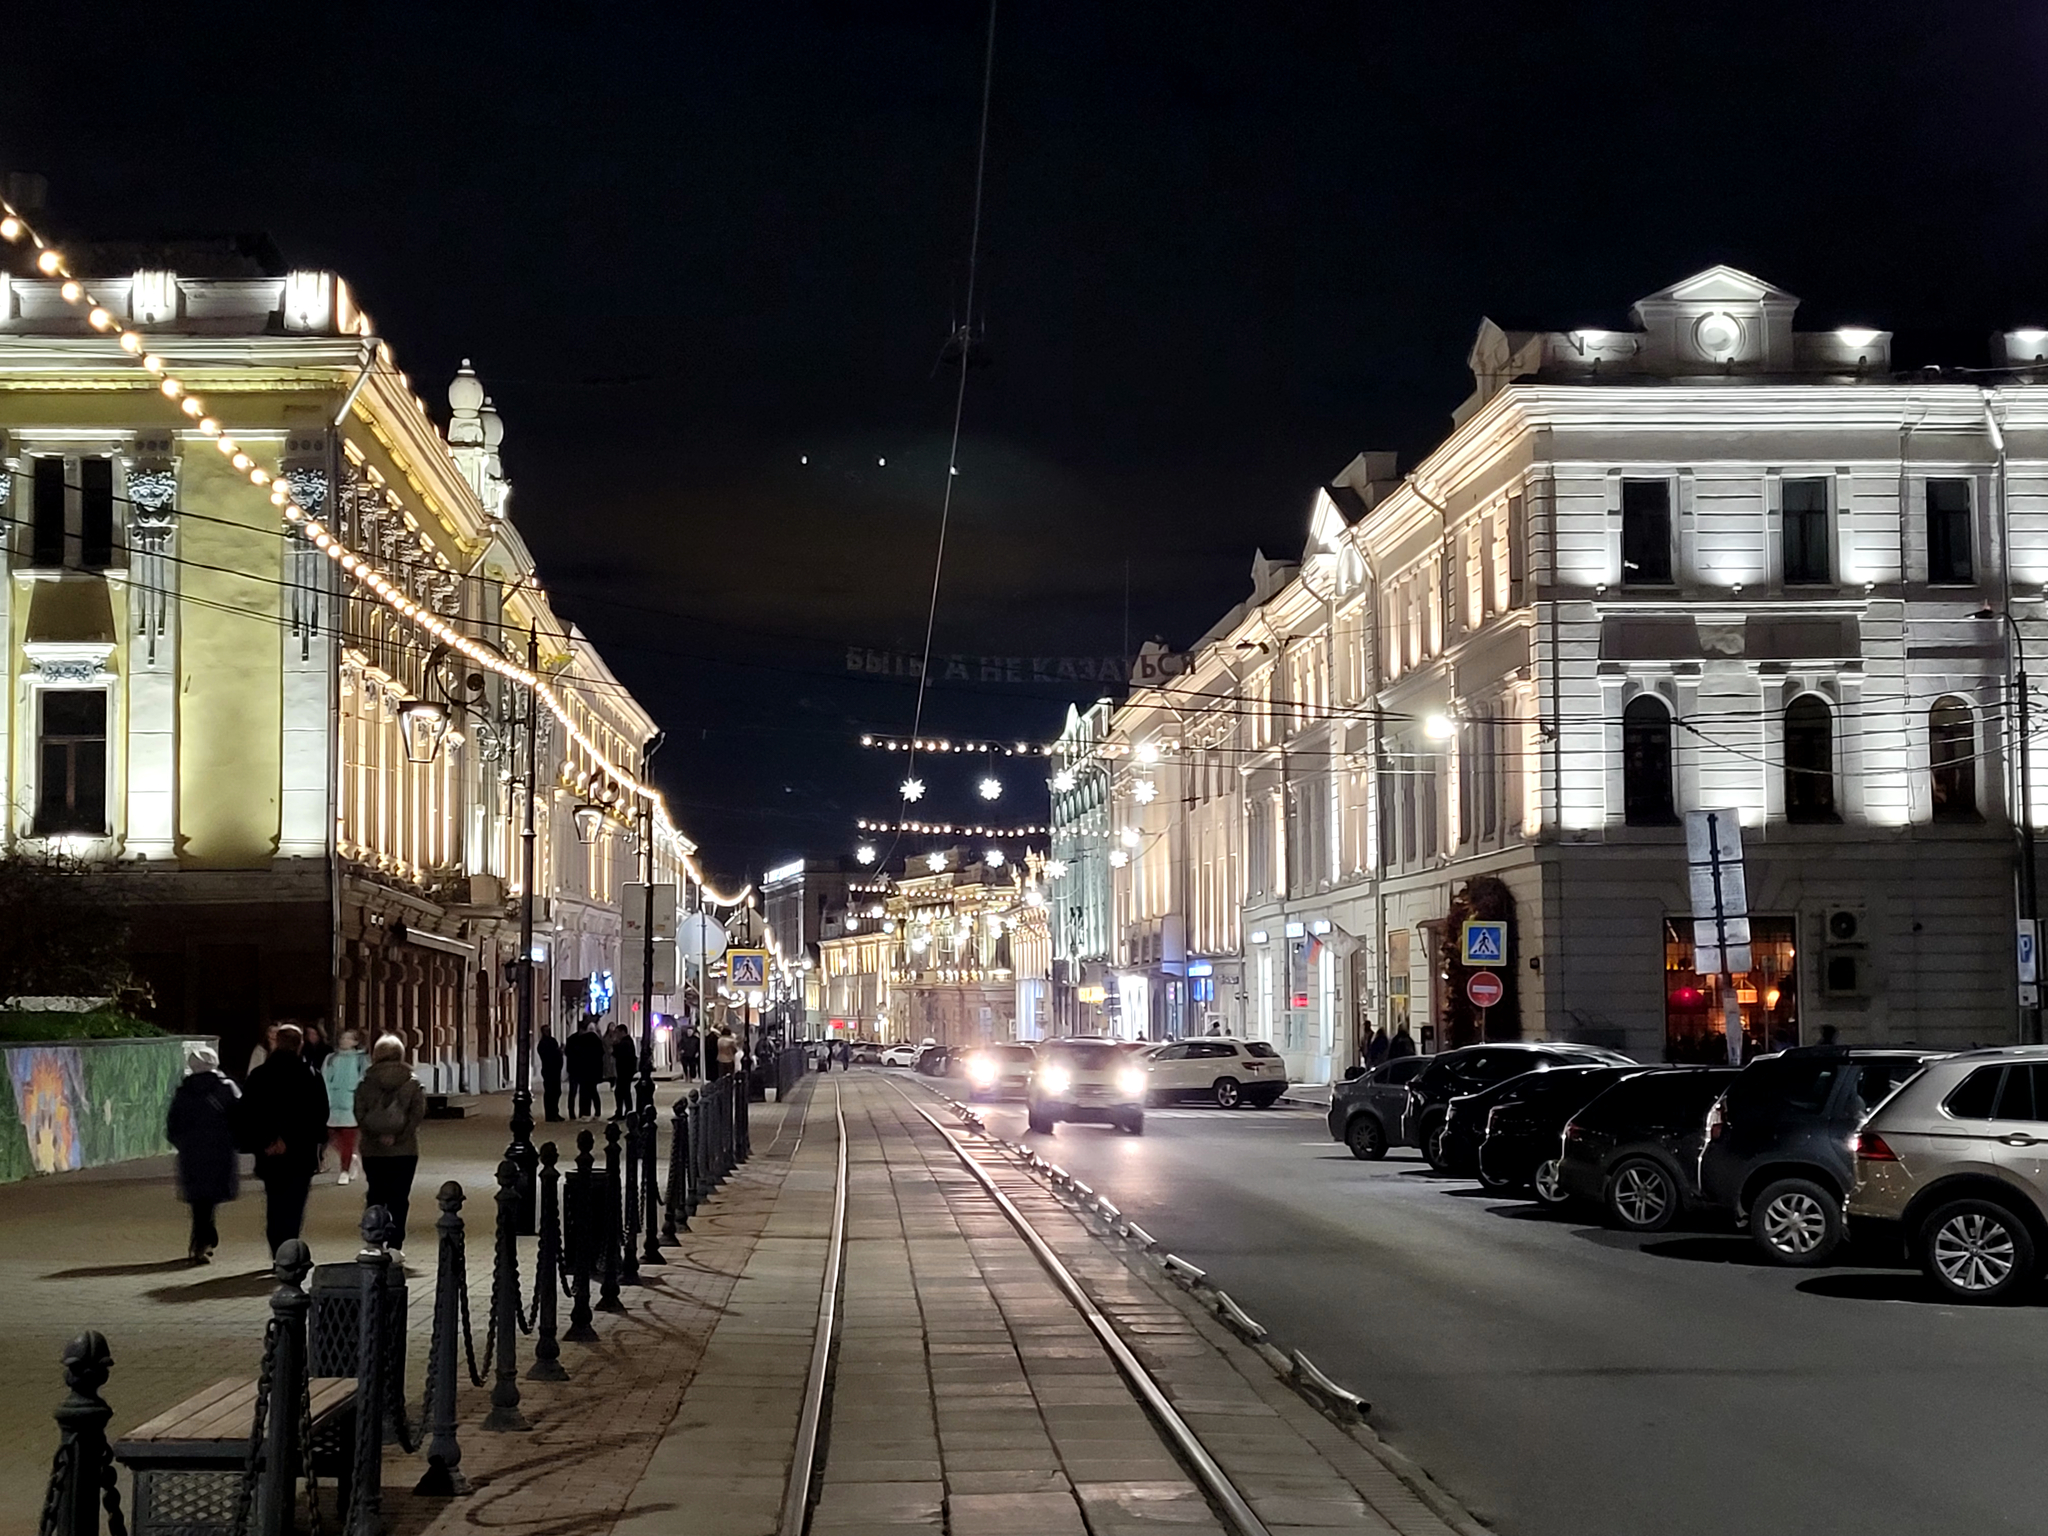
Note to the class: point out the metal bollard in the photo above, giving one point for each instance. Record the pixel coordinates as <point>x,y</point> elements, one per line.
<point>626,1196</point>
<point>443,1477</point>
<point>581,1216</point>
<point>607,1225</point>
<point>649,1193</point>
<point>676,1216</point>
<point>547,1353</point>
<point>83,1465</point>
<point>505,1414</point>
<point>282,1453</point>
<point>743,1145</point>
<point>366,1496</point>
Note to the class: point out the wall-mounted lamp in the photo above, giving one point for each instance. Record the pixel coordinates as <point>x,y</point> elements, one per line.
<point>421,725</point>
<point>588,819</point>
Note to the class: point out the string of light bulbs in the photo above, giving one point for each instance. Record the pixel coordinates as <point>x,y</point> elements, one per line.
<point>51,263</point>
<point>949,829</point>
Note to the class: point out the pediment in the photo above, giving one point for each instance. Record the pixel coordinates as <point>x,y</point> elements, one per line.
<point>1719,285</point>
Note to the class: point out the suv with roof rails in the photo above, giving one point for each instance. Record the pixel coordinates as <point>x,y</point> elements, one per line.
<point>1779,1154</point>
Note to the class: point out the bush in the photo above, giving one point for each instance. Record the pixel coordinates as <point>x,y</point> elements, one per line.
<point>19,1026</point>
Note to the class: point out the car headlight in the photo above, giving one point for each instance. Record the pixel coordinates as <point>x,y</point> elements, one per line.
<point>1055,1079</point>
<point>981,1071</point>
<point>1132,1081</point>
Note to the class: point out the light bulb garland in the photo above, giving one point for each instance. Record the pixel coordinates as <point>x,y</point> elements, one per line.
<point>50,262</point>
<point>949,828</point>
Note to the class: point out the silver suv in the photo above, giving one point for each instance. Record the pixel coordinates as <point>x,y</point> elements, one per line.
<point>1958,1159</point>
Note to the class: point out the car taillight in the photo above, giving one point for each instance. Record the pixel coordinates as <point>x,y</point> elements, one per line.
<point>1871,1148</point>
<point>1714,1119</point>
<point>1574,1132</point>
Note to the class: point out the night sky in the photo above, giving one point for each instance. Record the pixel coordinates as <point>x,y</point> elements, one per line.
<point>1226,247</point>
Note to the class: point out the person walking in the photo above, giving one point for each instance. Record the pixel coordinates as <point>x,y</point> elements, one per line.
<point>583,1056</point>
<point>201,1125</point>
<point>390,1104</point>
<point>284,1121</point>
<point>550,1051</point>
<point>1376,1049</point>
<point>728,1050</point>
<point>1403,1043</point>
<point>340,1073</point>
<point>686,1052</point>
<point>316,1050</point>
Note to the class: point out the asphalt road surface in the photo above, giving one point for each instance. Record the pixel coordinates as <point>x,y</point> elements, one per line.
<point>1564,1380</point>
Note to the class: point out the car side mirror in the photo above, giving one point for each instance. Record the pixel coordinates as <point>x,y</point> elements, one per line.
<point>1351,1074</point>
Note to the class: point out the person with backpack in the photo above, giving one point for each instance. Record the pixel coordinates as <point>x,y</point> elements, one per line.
<point>390,1104</point>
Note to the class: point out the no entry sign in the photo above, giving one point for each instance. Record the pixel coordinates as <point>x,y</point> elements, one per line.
<point>1484,988</point>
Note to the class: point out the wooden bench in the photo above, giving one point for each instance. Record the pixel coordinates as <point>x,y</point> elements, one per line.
<point>188,1461</point>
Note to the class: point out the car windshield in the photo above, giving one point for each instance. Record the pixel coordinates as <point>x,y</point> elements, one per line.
<point>1084,1055</point>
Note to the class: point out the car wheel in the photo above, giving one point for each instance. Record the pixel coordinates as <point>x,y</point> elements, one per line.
<point>1641,1196</point>
<point>1228,1094</point>
<point>1495,1182</point>
<point>1131,1122</point>
<point>1547,1184</point>
<point>1976,1251</point>
<point>1041,1122</point>
<point>1366,1138</point>
<point>1433,1144</point>
<point>1796,1221</point>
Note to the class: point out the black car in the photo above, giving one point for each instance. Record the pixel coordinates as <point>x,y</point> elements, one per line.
<point>941,1061</point>
<point>1779,1151</point>
<point>1526,1125</point>
<point>1367,1111</point>
<point>1474,1067</point>
<point>1635,1150</point>
<point>1465,1118</point>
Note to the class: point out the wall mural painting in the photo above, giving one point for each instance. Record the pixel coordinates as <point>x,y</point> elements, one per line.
<point>49,1095</point>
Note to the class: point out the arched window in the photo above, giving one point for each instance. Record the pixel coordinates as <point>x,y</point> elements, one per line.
<point>1646,762</point>
<point>1952,760</point>
<point>1809,760</point>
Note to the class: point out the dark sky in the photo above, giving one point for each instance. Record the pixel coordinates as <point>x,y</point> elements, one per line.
<point>1226,247</point>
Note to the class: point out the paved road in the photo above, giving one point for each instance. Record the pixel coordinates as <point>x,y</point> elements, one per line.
<point>1564,1380</point>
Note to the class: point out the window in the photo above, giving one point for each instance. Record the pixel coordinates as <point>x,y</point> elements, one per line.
<point>1952,760</point>
<point>1646,532</point>
<point>1518,560</point>
<point>1979,1091</point>
<point>71,788</point>
<point>1948,532</point>
<point>1809,760</point>
<point>1806,533</point>
<point>46,536</point>
<point>1646,762</point>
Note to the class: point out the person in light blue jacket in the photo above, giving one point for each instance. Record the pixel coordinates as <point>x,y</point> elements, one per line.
<point>342,1071</point>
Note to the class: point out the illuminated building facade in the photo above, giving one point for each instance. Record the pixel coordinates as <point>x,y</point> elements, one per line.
<point>304,799</point>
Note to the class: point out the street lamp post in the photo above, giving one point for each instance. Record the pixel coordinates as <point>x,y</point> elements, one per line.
<point>2030,1015</point>
<point>521,1151</point>
<point>644,1097</point>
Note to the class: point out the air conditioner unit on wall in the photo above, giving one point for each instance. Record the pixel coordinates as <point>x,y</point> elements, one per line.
<point>1844,951</point>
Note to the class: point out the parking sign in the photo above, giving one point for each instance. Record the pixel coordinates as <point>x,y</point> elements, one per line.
<point>1486,943</point>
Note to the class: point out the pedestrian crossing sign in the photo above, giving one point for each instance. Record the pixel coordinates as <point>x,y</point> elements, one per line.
<point>747,969</point>
<point>1486,943</point>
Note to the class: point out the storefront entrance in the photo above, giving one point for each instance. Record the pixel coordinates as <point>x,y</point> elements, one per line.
<point>1768,994</point>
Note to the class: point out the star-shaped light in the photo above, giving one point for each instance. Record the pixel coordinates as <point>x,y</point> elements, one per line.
<point>1118,858</point>
<point>935,862</point>
<point>1145,791</point>
<point>1055,868</point>
<point>865,853</point>
<point>913,789</point>
<point>991,788</point>
<point>1063,781</point>
<point>993,858</point>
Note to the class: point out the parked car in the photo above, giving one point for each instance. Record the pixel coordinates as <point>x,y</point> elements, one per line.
<point>941,1061</point>
<point>903,1054</point>
<point>1779,1150</point>
<point>1367,1112</point>
<point>1466,1116</point>
<point>1635,1150</point>
<point>1473,1067</point>
<point>1956,1162</point>
<point>1087,1079</point>
<point>1525,1127</point>
<point>1000,1071</point>
<point>865,1053</point>
<point>1226,1072</point>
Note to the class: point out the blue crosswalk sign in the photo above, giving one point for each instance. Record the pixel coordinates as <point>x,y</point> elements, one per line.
<point>1486,943</point>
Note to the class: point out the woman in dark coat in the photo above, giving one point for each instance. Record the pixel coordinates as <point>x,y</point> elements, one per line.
<point>201,1126</point>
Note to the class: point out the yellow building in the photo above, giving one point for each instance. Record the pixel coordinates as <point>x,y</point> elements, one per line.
<point>296,764</point>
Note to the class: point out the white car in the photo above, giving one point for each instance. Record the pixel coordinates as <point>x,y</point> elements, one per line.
<point>1225,1072</point>
<point>1000,1071</point>
<point>1087,1079</point>
<point>904,1055</point>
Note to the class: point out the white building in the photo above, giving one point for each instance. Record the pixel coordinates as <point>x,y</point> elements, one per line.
<point>1704,561</point>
